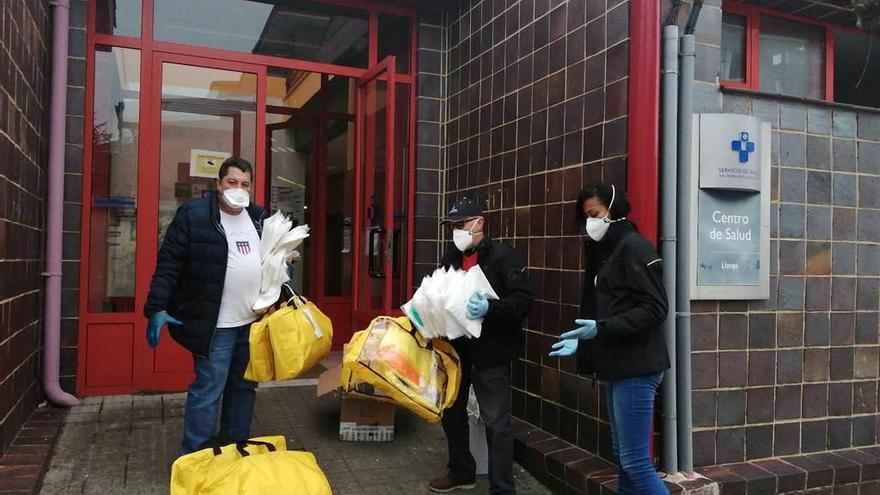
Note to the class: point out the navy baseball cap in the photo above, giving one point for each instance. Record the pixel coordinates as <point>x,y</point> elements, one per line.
<point>463,209</point>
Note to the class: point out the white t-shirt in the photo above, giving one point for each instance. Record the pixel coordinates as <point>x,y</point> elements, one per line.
<point>243,274</point>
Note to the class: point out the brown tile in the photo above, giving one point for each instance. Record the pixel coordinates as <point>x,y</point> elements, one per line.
<point>789,365</point>
<point>786,438</point>
<point>866,361</point>
<point>733,332</point>
<point>788,402</point>
<point>762,367</point>
<point>729,482</point>
<point>816,364</point>
<point>790,329</point>
<point>789,477</point>
<point>731,443</point>
<point>758,481</point>
<point>845,471</point>
<point>732,369</point>
<point>759,405</point>
<point>818,473</point>
<point>815,400</point>
<point>705,370</point>
<point>864,397</point>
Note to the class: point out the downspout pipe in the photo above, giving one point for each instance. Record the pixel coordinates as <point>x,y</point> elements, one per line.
<point>683,292</point>
<point>55,208</point>
<point>668,157</point>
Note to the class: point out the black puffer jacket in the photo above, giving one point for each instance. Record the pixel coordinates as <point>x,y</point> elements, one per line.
<point>499,342</point>
<point>623,292</point>
<point>190,271</point>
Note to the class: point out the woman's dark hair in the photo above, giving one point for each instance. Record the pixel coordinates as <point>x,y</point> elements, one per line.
<point>603,192</point>
<point>239,163</point>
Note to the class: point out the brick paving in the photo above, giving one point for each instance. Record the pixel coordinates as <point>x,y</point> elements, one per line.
<point>126,444</point>
<point>28,453</point>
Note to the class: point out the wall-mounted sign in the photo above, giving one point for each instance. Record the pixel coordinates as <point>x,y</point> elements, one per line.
<point>730,208</point>
<point>204,163</point>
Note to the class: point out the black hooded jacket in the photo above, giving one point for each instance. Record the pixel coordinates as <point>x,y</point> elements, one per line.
<point>191,270</point>
<point>499,342</point>
<point>623,291</point>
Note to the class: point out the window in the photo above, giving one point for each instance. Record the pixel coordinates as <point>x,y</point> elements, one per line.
<point>792,58</point>
<point>307,31</point>
<point>733,47</point>
<point>856,69</point>
<point>779,53</point>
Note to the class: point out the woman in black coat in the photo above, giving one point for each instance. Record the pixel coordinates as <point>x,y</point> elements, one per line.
<point>620,338</point>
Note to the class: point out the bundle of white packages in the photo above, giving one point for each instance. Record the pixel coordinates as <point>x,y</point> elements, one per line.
<point>277,246</point>
<point>439,306</point>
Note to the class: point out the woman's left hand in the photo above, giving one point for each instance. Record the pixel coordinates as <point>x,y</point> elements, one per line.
<point>564,348</point>
<point>586,330</point>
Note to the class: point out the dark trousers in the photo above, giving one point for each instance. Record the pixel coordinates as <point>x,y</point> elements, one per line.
<point>492,388</point>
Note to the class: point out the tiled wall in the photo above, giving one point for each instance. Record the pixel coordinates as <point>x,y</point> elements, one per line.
<point>430,152</point>
<point>537,106</point>
<point>797,373</point>
<point>24,96</point>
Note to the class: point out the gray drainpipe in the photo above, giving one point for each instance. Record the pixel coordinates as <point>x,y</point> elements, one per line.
<point>668,115</point>
<point>55,208</point>
<point>683,292</point>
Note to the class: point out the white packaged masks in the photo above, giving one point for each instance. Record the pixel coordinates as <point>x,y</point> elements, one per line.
<point>439,306</point>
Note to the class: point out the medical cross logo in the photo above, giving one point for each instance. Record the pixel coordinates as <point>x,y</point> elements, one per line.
<point>743,146</point>
<point>244,247</point>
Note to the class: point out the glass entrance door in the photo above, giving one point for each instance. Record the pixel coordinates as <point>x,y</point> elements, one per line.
<point>201,113</point>
<point>375,267</point>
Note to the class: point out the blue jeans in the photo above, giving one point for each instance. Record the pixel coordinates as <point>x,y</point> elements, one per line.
<point>631,409</point>
<point>221,374</point>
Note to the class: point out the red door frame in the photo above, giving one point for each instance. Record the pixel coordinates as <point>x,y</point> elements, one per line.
<point>364,182</point>
<point>149,185</point>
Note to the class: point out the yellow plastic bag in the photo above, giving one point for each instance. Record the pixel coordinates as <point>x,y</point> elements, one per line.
<point>300,335</point>
<point>261,365</point>
<point>419,375</point>
<point>259,466</point>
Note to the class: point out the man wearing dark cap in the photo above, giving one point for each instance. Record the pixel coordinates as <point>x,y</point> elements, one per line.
<point>485,360</point>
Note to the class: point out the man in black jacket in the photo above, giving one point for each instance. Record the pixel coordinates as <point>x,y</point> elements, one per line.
<point>485,361</point>
<point>206,281</point>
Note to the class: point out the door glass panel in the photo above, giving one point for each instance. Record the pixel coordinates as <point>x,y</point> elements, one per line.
<point>289,161</point>
<point>330,34</point>
<point>207,115</point>
<point>339,184</point>
<point>400,283</point>
<point>115,136</point>
<point>374,114</point>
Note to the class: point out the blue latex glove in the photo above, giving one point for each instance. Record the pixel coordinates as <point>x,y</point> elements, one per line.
<point>477,307</point>
<point>564,348</point>
<point>586,330</point>
<point>154,326</point>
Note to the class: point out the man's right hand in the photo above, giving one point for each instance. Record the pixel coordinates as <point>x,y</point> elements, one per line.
<point>154,327</point>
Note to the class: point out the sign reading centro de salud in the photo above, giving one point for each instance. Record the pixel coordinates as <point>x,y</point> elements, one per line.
<point>730,209</point>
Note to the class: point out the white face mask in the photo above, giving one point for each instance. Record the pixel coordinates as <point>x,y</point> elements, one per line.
<point>598,227</point>
<point>463,239</point>
<point>237,197</point>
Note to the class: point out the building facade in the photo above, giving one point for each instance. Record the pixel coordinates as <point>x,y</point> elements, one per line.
<point>364,119</point>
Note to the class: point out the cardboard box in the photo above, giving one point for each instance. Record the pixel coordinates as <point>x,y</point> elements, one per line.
<point>361,419</point>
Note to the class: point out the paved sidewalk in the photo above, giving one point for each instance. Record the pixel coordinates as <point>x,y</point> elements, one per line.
<point>126,444</point>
